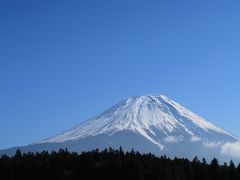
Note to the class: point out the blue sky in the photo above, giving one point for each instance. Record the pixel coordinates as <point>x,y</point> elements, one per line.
<point>62,62</point>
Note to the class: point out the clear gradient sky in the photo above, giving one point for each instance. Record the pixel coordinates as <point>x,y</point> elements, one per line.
<point>62,62</point>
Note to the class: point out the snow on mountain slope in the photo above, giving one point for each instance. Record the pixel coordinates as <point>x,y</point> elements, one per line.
<point>149,124</point>
<point>145,115</point>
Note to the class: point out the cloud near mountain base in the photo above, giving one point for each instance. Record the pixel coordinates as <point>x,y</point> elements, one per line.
<point>213,144</point>
<point>231,149</point>
<point>173,139</point>
<point>195,139</point>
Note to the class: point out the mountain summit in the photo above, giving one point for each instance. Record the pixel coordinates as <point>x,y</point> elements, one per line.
<point>153,124</point>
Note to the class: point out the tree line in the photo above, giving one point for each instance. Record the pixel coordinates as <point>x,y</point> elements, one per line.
<point>111,164</point>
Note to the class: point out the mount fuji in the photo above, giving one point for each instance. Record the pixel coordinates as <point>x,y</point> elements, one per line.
<point>153,124</point>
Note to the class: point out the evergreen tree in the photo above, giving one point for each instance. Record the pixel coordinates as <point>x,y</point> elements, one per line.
<point>214,169</point>
<point>232,172</point>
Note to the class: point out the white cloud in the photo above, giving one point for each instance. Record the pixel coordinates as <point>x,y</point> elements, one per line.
<point>231,149</point>
<point>173,139</point>
<point>195,139</point>
<point>213,144</point>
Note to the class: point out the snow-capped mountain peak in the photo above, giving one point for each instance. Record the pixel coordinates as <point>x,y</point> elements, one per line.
<point>153,124</point>
<point>145,115</point>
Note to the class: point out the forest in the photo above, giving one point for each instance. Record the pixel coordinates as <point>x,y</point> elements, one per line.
<point>111,164</point>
